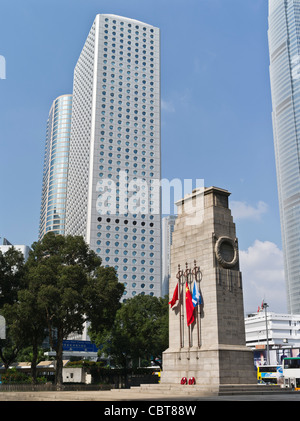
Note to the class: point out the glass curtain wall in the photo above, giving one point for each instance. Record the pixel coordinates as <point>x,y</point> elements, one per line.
<point>55,171</point>
<point>284,49</point>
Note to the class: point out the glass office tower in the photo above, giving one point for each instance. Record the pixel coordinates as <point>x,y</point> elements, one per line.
<point>114,166</point>
<point>55,170</point>
<point>284,49</point>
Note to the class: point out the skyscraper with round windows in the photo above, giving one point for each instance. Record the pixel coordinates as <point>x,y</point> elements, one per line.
<point>284,49</point>
<point>113,199</point>
<point>55,170</point>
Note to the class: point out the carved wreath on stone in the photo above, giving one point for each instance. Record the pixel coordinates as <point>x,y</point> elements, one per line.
<point>227,251</point>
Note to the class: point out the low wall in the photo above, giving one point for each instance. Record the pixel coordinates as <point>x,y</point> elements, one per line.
<point>109,382</point>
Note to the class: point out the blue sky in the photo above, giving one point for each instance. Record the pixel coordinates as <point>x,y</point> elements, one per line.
<point>216,111</point>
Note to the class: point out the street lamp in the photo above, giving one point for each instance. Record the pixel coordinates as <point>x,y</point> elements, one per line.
<point>265,306</point>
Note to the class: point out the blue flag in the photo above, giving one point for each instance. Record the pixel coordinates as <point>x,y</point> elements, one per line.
<point>196,298</point>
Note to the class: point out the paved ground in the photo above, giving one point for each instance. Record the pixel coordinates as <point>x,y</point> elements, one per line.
<point>127,395</point>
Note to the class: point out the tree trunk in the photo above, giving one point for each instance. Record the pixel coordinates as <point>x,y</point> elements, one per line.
<point>34,361</point>
<point>59,360</point>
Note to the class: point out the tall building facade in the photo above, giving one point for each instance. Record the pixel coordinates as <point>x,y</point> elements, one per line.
<point>114,163</point>
<point>55,170</point>
<point>168,224</point>
<point>284,49</point>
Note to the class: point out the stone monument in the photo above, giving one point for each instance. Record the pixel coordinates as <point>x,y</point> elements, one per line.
<point>206,342</point>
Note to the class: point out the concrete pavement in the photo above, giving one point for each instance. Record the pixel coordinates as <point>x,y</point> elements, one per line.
<point>132,395</point>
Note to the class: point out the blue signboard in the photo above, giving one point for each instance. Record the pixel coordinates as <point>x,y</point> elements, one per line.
<point>82,346</point>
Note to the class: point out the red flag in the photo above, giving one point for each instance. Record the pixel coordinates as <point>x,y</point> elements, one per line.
<point>175,296</point>
<point>189,305</point>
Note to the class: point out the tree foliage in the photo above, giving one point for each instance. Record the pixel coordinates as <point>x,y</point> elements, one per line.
<point>62,286</point>
<point>12,271</point>
<point>12,275</point>
<point>26,324</point>
<point>140,331</point>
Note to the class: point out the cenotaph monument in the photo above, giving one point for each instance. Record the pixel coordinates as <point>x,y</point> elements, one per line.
<point>206,337</point>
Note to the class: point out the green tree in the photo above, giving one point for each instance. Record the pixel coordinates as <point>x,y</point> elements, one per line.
<point>9,350</point>
<point>103,294</point>
<point>26,354</point>
<point>70,286</point>
<point>12,273</point>
<point>140,330</point>
<point>27,324</point>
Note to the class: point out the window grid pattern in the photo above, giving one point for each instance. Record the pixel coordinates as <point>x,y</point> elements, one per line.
<point>124,151</point>
<point>78,177</point>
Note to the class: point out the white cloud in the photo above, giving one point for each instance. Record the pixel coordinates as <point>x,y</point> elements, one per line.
<point>167,106</point>
<point>263,277</point>
<point>181,98</point>
<point>241,210</point>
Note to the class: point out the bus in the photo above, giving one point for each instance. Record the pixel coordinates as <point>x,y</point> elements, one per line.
<point>270,374</point>
<point>291,372</point>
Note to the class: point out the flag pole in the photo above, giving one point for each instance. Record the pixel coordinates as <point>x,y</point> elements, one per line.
<point>187,278</point>
<point>197,271</point>
<point>178,276</point>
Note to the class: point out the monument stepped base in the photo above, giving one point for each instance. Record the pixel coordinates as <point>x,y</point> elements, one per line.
<point>209,390</point>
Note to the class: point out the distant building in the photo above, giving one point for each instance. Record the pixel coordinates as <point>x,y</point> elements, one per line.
<point>114,162</point>
<point>282,331</point>
<point>6,245</point>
